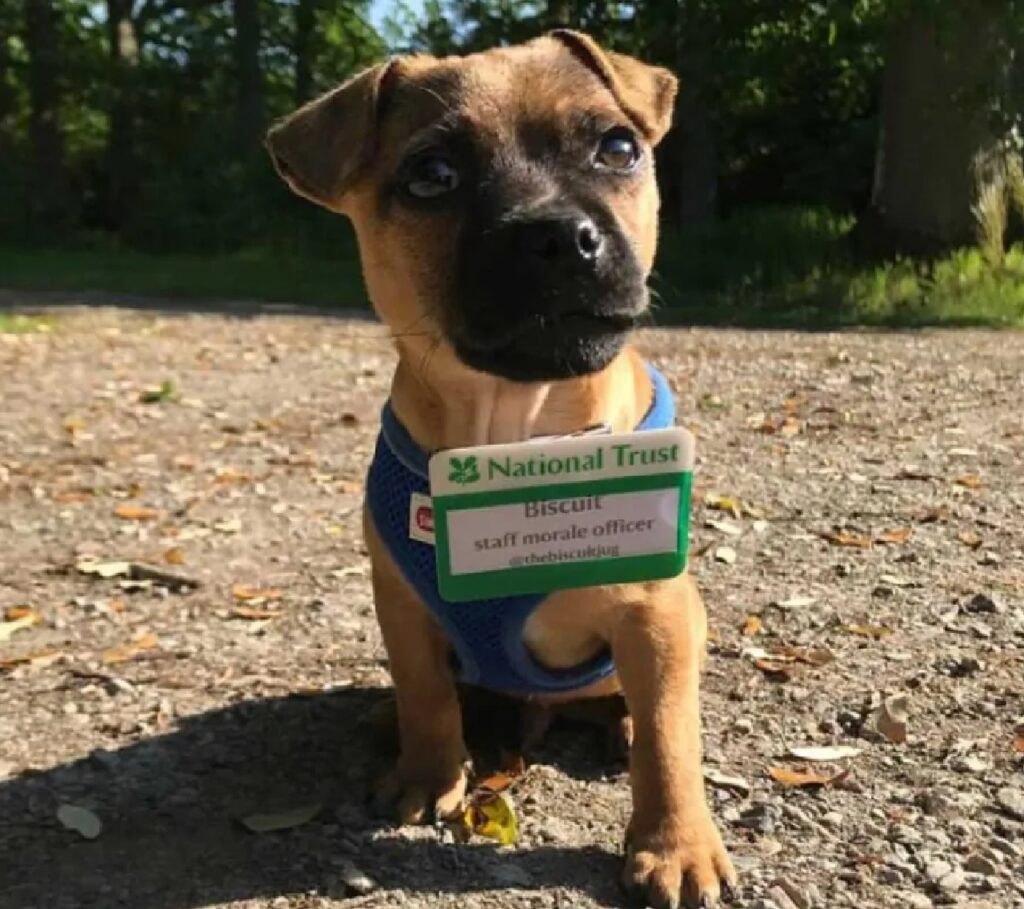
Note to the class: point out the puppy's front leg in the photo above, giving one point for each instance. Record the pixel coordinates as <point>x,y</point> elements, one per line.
<point>430,777</point>
<point>673,847</point>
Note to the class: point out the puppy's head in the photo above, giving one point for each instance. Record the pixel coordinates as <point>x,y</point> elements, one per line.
<point>505,202</point>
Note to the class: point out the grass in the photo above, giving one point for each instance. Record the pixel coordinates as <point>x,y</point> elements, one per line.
<point>788,267</point>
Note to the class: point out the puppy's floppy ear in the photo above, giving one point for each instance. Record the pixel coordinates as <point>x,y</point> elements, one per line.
<point>646,93</point>
<point>320,149</point>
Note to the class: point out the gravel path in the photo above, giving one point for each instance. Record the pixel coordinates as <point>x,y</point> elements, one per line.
<point>857,534</point>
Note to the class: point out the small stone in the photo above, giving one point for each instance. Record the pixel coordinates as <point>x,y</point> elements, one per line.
<point>355,881</point>
<point>780,898</point>
<point>509,874</point>
<point>982,603</point>
<point>979,864</point>
<point>952,882</point>
<point>1011,801</point>
<point>965,667</point>
<point>833,819</point>
<point>1004,846</point>
<point>792,892</point>
<point>889,876</point>
<point>913,900</point>
<point>937,869</point>
<point>764,904</point>
<point>761,818</point>
<point>743,726</point>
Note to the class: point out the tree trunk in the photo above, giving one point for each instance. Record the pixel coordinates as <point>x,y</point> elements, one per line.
<point>305,22</point>
<point>944,73</point>
<point>249,122</point>
<point>697,155</point>
<point>48,198</point>
<point>124,43</point>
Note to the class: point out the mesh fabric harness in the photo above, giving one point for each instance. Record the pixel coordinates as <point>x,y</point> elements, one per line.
<point>487,635</point>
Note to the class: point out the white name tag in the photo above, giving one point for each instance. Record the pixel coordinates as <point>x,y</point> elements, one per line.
<point>533,517</point>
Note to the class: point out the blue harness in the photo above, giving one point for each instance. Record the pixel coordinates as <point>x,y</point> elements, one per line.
<point>487,635</point>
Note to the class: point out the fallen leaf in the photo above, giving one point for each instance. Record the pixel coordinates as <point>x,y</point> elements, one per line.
<point>43,657</point>
<point>969,481</point>
<point>253,613</point>
<point>73,496</point>
<point>135,513</point>
<point>167,391</point>
<point>819,657</point>
<point>244,593</point>
<point>824,752</point>
<point>496,782</point>
<point>729,528</point>
<point>174,556</point>
<point>895,537</point>
<point>843,538</point>
<point>725,554</point>
<point>752,626</point>
<point>804,778</point>
<point>81,820</point>
<point>126,651</point>
<point>892,717</point>
<point>1018,739</point>
<point>970,539</point>
<point>795,602</point>
<point>104,569</point>
<point>719,780</point>
<point>230,475</point>
<point>875,632</point>
<point>724,503</point>
<point>231,525</point>
<point>775,669</point>
<point>284,820</point>
<point>7,629</point>
<point>13,613</point>
<point>491,815</point>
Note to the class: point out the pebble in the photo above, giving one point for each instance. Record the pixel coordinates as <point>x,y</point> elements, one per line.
<point>1004,846</point>
<point>953,882</point>
<point>761,818</point>
<point>799,897</point>
<point>913,900</point>
<point>982,603</point>
<point>764,904</point>
<point>355,881</point>
<point>937,869</point>
<point>979,864</point>
<point>743,727</point>
<point>889,876</point>
<point>509,874</point>
<point>833,819</point>
<point>780,898</point>
<point>1011,800</point>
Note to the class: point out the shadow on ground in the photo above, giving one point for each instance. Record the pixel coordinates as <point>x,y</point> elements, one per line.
<point>170,806</point>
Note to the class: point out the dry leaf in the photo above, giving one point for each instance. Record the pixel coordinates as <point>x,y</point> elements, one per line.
<point>8,629</point>
<point>719,780</point>
<point>820,657</point>
<point>803,778</point>
<point>13,613</point>
<point>778,670</point>
<point>491,815</point>
<point>891,718</point>
<point>496,782</point>
<point>73,496</point>
<point>81,820</point>
<point>244,593</point>
<point>135,513</point>
<point>795,602</point>
<point>970,539</point>
<point>174,556</point>
<point>875,632</point>
<point>824,752</point>
<point>729,528</point>
<point>895,537</point>
<point>725,554</point>
<point>133,648</point>
<point>231,525</point>
<point>251,612</point>
<point>969,481</point>
<point>843,538</point>
<point>284,820</point>
<point>43,657</point>
<point>752,626</point>
<point>104,569</point>
<point>1018,740</point>
<point>724,503</point>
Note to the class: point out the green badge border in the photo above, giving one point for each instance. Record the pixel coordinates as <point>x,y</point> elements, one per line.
<point>504,582</point>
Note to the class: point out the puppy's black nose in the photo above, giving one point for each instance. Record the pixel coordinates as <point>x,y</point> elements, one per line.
<point>561,240</point>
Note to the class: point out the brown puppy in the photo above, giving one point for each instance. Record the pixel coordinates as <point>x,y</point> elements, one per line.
<point>506,212</point>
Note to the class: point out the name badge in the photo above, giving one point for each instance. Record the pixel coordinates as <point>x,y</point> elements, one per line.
<point>538,516</point>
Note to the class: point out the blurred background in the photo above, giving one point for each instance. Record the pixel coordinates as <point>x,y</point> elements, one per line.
<point>832,163</point>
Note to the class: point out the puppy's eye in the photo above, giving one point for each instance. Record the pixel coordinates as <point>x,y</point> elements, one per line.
<point>431,175</point>
<point>618,149</point>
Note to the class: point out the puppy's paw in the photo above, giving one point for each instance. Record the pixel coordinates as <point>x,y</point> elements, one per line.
<point>683,864</point>
<point>419,794</point>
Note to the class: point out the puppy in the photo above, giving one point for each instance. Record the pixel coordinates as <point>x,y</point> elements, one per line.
<point>506,213</point>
